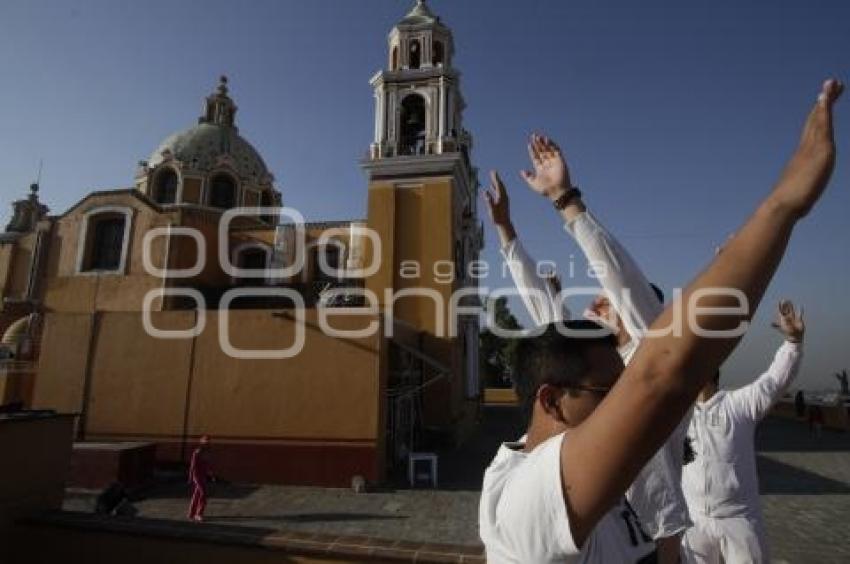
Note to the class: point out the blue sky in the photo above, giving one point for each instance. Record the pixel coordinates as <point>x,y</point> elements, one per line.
<point>676,117</point>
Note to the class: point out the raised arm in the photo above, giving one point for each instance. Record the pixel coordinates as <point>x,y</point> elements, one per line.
<point>621,278</point>
<point>539,294</point>
<point>628,289</point>
<point>606,451</point>
<point>755,400</point>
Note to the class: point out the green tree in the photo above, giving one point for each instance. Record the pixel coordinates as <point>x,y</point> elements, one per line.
<point>497,355</point>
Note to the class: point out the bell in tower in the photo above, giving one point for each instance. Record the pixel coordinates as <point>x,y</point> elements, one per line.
<point>418,104</point>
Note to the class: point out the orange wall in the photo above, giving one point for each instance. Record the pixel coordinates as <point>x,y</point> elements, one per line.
<point>72,292</point>
<point>15,262</point>
<point>62,363</point>
<point>139,384</point>
<point>6,251</point>
<point>416,222</point>
<point>330,390</point>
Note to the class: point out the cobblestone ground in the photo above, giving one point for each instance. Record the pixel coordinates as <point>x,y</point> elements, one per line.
<point>805,485</point>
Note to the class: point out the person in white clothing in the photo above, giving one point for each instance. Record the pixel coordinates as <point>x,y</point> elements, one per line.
<point>539,293</point>
<point>558,496</point>
<point>656,494</point>
<point>720,485</point>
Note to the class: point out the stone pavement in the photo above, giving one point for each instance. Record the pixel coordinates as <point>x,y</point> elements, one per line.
<point>805,485</point>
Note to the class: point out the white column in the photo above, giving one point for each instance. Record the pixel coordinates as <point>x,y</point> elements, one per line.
<point>442,116</point>
<point>377,116</point>
<point>382,130</point>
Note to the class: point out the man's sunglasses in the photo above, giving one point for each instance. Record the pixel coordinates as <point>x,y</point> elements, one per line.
<point>602,390</point>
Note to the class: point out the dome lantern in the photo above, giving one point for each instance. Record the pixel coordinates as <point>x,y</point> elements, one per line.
<point>219,108</point>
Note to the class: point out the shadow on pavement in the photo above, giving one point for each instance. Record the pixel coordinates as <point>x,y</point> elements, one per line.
<point>779,478</point>
<point>786,435</point>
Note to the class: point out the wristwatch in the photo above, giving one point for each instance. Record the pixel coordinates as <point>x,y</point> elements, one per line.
<point>564,199</point>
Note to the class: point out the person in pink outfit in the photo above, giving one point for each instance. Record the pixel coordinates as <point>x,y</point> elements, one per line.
<point>199,473</point>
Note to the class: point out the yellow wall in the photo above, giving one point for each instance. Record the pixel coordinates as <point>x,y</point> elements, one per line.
<point>139,384</point>
<point>15,262</point>
<point>192,190</point>
<point>62,363</point>
<point>330,390</point>
<point>416,222</point>
<point>72,292</point>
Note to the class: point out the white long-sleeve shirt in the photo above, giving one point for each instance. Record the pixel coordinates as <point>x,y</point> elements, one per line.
<point>722,481</point>
<point>537,294</point>
<point>656,493</point>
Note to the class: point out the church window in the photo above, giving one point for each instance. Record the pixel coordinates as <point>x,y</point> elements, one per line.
<point>394,59</point>
<point>165,191</point>
<point>222,192</point>
<point>332,253</point>
<point>104,240</point>
<point>253,258</point>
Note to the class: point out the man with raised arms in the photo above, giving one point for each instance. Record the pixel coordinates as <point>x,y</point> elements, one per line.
<point>628,305</point>
<point>721,485</point>
<point>558,496</point>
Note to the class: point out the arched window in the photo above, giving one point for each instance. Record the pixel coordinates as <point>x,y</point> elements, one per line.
<point>412,125</point>
<point>104,239</point>
<point>438,56</point>
<point>254,258</point>
<point>415,54</point>
<point>222,192</point>
<point>165,190</point>
<point>394,58</point>
<point>332,253</point>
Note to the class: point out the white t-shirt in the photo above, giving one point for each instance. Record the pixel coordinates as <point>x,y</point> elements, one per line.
<point>523,516</point>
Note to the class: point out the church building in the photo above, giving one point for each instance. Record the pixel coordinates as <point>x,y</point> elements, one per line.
<point>168,310</point>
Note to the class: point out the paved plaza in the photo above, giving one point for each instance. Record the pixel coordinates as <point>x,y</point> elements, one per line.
<point>805,484</point>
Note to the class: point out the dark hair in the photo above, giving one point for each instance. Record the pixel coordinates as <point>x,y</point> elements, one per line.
<point>717,378</point>
<point>658,293</point>
<point>553,358</point>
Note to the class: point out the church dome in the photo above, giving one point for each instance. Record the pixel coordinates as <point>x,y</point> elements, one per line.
<point>214,142</point>
<point>208,144</point>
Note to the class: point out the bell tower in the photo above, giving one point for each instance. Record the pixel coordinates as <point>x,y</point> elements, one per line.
<point>422,204</point>
<point>418,103</point>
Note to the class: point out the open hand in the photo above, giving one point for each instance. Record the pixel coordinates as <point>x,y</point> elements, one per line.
<point>550,177</point>
<point>496,198</point>
<point>789,323</point>
<point>808,172</point>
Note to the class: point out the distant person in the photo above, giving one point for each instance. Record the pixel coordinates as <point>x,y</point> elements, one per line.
<point>200,473</point>
<point>843,381</point>
<point>800,404</point>
<point>557,496</point>
<point>721,485</point>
